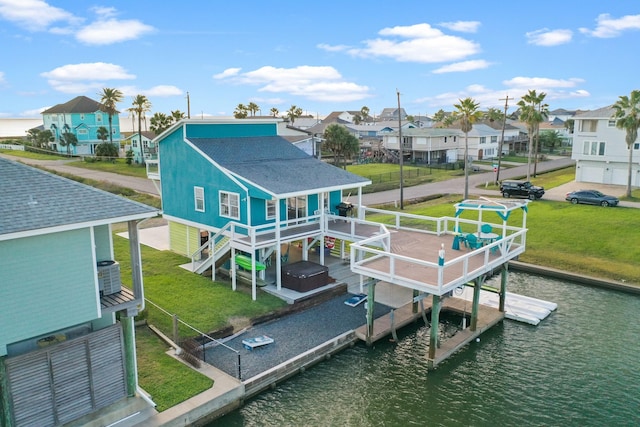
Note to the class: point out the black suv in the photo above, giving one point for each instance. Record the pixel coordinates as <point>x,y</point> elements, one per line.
<point>521,189</point>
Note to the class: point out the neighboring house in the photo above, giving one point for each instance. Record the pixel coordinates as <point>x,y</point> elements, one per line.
<point>600,150</point>
<point>391,114</point>
<point>82,117</point>
<point>445,145</point>
<point>67,345</point>
<point>141,145</point>
<point>244,181</point>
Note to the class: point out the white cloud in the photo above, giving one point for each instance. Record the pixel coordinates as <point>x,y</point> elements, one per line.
<point>463,66</point>
<point>89,71</point>
<point>111,31</point>
<point>34,15</point>
<point>320,83</point>
<point>84,78</point>
<point>417,43</point>
<point>330,48</point>
<point>2,81</point>
<point>608,27</point>
<point>515,88</point>
<point>546,37</point>
<point>229,72</point>
<point>541,83</point>
<point>462,26</point>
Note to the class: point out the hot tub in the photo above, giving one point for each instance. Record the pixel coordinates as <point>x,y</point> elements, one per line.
<point>304,276</point>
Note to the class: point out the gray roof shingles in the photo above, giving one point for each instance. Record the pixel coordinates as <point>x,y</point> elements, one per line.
<point>275,164</point>
<point>31,199</point>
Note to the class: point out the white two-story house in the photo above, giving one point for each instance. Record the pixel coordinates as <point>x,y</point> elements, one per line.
<point>600,150</point>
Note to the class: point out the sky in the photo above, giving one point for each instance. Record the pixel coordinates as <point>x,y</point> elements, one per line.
<point>207,57</point>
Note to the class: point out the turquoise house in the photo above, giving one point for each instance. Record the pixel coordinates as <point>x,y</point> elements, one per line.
<point>67,346</point>
<point>231,186</point>
<point>83,117</point>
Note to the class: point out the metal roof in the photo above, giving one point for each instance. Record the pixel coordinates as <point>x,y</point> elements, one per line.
<point>37,202</point>
<point>274,164</point>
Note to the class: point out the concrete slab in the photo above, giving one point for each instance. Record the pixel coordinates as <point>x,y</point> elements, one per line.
<point>154,237</point>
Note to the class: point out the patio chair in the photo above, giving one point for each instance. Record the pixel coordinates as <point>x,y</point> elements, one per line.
<point>473,242</point>
<point>486,228</point>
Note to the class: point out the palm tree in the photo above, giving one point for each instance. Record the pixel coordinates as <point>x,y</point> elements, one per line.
<point>177,115</point>
<point>240,112</point>
<point>102,133</point>
<point>274,112</point>
<point>67,139</point>
<point>253,108</point>
<point>467,113</point>
<point>627,115</point>
<point>293,113</point>
<point>341,142</point>
<point>109,98</point>
<point>160,122</point>
<point>532,112</point>
<point>140,106</point>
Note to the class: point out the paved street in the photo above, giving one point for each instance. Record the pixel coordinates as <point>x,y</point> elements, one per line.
<point>452,186</point>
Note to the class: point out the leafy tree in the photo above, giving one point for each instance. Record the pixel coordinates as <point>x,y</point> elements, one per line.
<point>357,119</point>
<point>569,124</point>
<point>40,138</point>
<point>160,122</point>
<point>466,113</point>
<point>68,139</point>
<point>241,112</point>
<point>129,156</point>
<point>293,113</point>
<point>410,118</point>
<point>627,116</point>
<point>110,98</point>
<point>253,108</point>
<point>550,139</point>
<point>107,149</point>
<point>494,114</point>
<point>102,133</point>
<point>364,113</point>
<point>274,112</point>
<point>342,143</point>
<point>532,112</point>
<point>177,115</point>
<point>439,117</point>
<point>140,106</point>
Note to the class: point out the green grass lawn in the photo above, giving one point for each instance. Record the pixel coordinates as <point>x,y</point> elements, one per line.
<point>32,155</point>
<point>167,380</point>
<point>118,166</point>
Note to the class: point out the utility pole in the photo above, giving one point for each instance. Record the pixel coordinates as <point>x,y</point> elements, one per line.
<point>188,107</point>
<point>504,122</point>
<point>401,151</point>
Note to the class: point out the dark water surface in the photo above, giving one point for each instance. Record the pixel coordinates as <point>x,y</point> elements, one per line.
<point>578,367</point>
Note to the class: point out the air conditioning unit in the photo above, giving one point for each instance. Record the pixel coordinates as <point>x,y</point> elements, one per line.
<point>109,277</point>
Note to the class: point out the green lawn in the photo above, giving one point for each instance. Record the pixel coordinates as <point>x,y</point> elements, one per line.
<point>118,166</point>
<point>32,155</point>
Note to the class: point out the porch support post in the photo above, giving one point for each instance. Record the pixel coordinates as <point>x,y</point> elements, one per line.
<point>414,306</point>
<point>253,275</point>
<point>128,332</point>
<point>371,294</point>
<point>5,403</point>
<point>435,326</point>
<point>504,273</point>
<point>234,279</point>
<point>477,285</point>
<point>136,263</point>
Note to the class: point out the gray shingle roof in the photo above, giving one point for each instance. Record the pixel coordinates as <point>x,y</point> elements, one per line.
<point>275,164</point>
<point>33,201</point>
<point>79,104</point>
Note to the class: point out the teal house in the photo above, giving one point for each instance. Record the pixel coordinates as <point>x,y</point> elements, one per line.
<point>82,117</point>
<point>234,187</point>
<point>67,346</point>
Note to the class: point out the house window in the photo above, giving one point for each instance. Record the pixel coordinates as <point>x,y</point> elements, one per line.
<point>494,139</point>
<point>455,138</point>
<point>81,116</point>
<point>98,118</point>
<point>611,123</point>
<point>588,125</point>
<point>82,132</point>
<point>593,148</point>
<point>483,140</point>
<point>636,146</point>
<point>229,205</point>
<point>271,209</point>
<point>198,196</point>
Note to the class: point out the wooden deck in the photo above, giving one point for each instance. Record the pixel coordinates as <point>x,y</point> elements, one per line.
<point>402,316</point>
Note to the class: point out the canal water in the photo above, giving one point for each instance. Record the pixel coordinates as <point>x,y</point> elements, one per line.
<point>578,367</point>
